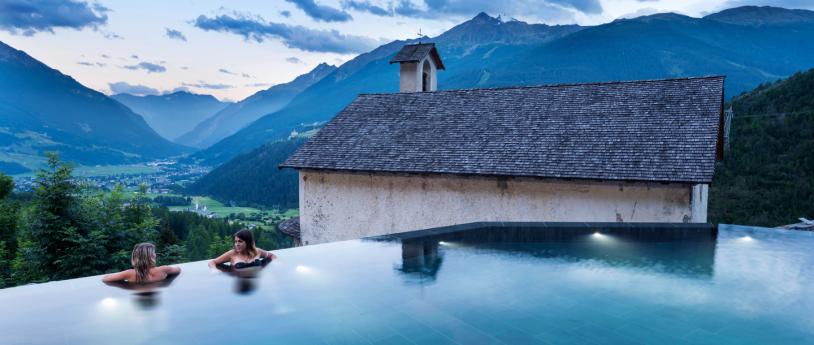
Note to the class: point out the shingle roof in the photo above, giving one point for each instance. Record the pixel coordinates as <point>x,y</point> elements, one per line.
<point>290,227</point>
<point>417,52</point>
<point>655,130</point>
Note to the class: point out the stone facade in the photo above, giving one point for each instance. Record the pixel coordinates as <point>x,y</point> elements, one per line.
<point>338,206</point>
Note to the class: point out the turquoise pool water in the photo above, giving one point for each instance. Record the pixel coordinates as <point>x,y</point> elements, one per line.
<point>739,286</point>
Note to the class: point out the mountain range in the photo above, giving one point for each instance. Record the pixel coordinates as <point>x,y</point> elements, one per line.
<point>172,115</point>
<point>749,45</point>
<point>42,110</point>
<point>234,117</point>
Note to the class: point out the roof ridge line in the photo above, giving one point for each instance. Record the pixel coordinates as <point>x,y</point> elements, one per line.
<point>549,85</point>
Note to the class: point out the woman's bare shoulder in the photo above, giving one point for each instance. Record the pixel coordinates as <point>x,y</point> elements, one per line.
<point>126,275</point>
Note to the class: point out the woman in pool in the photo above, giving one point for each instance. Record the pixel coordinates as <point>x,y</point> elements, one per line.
<point>144,269</point>
<point>244,254</point>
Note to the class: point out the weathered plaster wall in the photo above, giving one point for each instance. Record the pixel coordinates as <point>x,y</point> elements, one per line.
<point>409,78</point>
<point>339,206</point>
<point>411,74</point>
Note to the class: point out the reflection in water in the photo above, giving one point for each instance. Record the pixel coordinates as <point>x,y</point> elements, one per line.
<point>146,295</point>
<point>684,251</point>
<point>246,276</point>
<point>420,260</point>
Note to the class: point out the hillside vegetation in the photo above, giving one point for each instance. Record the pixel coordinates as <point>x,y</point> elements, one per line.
<point>767,176</point>
<point>254,179</point>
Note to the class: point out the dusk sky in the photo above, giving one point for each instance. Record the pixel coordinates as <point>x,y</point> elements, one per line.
<point>231,49</point>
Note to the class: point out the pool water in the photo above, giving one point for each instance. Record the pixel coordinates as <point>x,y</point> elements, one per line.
<point>736,285</point>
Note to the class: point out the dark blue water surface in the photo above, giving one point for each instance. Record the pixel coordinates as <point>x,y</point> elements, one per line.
<point>736,285</point>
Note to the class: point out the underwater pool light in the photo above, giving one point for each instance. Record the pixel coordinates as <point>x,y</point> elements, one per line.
<point>108,302</point>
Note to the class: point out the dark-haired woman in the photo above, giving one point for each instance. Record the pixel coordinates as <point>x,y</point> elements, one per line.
<point>144,269</point>
<point>244,254</point>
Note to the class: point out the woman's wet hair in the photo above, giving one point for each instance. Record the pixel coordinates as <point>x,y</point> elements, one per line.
<point>143,259</point>
<point>248,238</point>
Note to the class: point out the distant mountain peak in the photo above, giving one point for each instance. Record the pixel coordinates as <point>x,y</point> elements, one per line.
<point>667,17</point>
<point>483,16</point>
<point>762,15</point>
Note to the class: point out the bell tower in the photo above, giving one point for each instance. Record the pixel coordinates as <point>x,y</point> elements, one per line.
<point>419,67</point>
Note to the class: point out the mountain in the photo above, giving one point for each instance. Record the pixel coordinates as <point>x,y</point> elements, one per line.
<point>237,115</point>
<point>42,109</point>
<point>767,176</point>
<point>267,185</point>
<point>174,114</point>
<point>765,15</point>
<point>489,52</point>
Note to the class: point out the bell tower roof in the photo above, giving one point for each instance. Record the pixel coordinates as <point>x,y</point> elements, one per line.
<point>417,52</point>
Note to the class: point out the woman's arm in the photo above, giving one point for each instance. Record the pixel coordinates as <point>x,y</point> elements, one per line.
<point>226,257</point>
<point>117,277</point>
<point>267,255</point>
<point>170,270</point>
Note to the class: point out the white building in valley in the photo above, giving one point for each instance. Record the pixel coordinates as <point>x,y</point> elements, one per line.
<point>634,151</point>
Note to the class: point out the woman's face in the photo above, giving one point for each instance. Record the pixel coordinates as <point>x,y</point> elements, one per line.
<point>240,245</point>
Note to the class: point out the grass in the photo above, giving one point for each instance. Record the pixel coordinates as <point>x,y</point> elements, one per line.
<point>222,210</point>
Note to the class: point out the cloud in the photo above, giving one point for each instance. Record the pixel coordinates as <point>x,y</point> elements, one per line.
<point>138,90</point>
<point>434,9</point>
<point>147,66</point>
<point>175,34</point>
<point>797,4</point>
<point>111,35</point>
<point>298,37</point>
<point>106,56</point>
<point>258,85</point>
<point>285,13</point>
<point>178,89</point>
<point>321,13</point>
<point>366,6</point>
<point>226,71</point>
<point>92,64</point>
<point>203,85</point>
<point>294,60</point>
<point>134,56</point>
<point>32,16</point>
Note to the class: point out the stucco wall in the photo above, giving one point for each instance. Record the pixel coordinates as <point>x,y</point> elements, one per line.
<point>410,75</point>
<point>339,206</point>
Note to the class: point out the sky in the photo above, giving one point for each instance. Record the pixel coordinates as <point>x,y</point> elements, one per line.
<point>232,49</point>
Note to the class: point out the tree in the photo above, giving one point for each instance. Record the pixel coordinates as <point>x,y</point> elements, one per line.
<point>8,229</point>
<point>52,222</point>
<point>198,243</point>
<point>220,245</point>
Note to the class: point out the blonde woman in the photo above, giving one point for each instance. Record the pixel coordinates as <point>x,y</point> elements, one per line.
<point>144,269</point>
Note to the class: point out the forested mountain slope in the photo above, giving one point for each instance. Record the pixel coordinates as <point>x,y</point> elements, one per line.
<point>767,176</point>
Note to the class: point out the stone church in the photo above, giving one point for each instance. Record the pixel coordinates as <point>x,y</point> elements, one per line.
<point>630,151</point>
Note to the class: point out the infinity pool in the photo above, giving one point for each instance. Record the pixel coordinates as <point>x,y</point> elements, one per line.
<point>481,284</point>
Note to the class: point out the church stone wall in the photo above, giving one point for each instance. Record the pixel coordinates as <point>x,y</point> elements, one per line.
<point>340,206</point>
